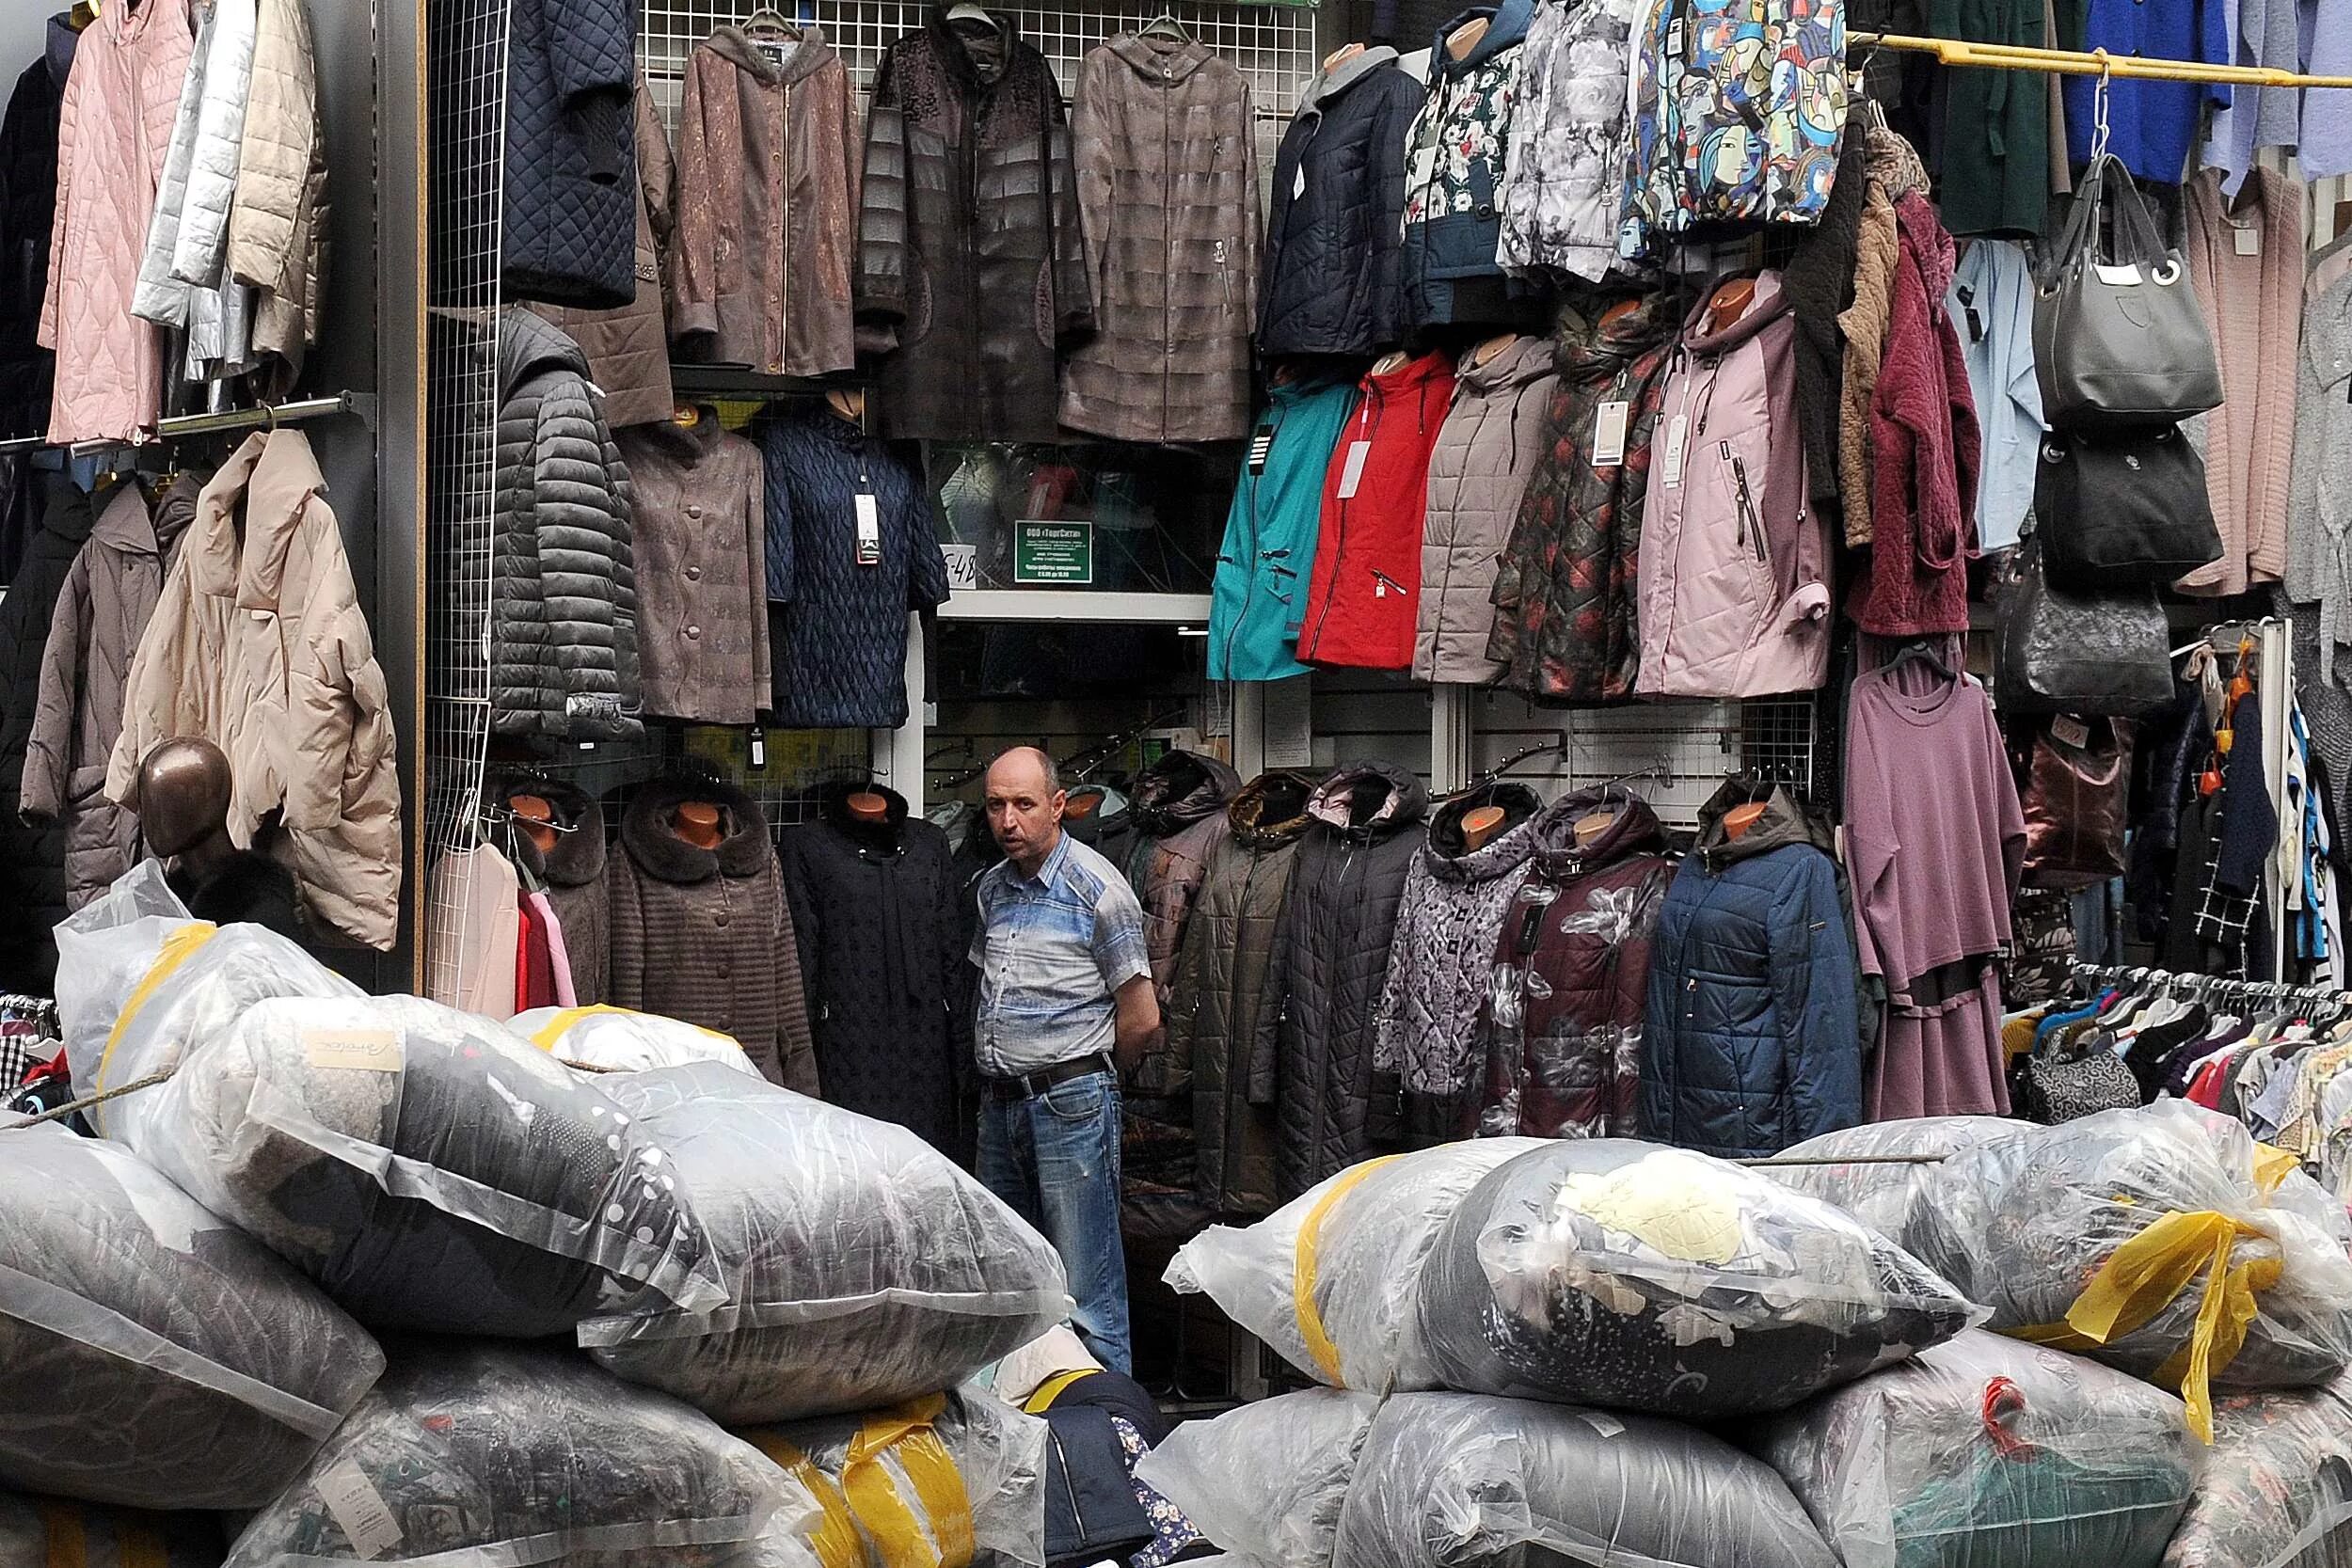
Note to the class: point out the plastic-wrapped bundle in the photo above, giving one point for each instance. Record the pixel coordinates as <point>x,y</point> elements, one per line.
<point>619,1041</point>
<point>154,1356</point>
<point>1346,1317</point>
<point>1885,1196</point>
<point>475,1455</point>
<point>1460,1480</point>
<point>43,1532</point>
<point>949,1479</point>
<point>2277,1490</point>
<point>431,1169</point>
<point>1988,1453</point>
<point>862,1266</point>
<point>2143,1237</point>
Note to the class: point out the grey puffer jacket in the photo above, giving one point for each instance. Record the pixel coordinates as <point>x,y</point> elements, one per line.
<point>564,602</point>
<point>1337,927</point>
<point>109,595</point>
<point>1424,1040</point>
<point>1478,472</point>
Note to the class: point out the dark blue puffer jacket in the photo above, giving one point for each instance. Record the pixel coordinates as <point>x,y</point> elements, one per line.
<point>1751,1041</point>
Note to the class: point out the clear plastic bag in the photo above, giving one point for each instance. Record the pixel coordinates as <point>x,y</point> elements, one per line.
<point>2277,1490</point>
<point>1364,1234</point>
<point>1458,1481</point>
<point>2108,1235</point>
<point>619,1041</point>
<point>44,1532</point>
<point>862,1267</point>
<point>431,1169</point>
<point>471,1455</point>
<point>950,1479</point>
<point>1988,1453</point>
<point>1885,1196</point>
<point>156,1357</point>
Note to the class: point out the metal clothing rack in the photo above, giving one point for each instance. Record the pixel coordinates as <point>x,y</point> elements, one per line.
<point>181,426</point>
<point>2094,62</point>
<point>2208,985</point>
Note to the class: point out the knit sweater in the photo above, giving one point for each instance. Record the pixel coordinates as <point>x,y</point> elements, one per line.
<point>1894,169</point>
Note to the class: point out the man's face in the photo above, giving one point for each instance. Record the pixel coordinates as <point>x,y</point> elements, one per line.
<point>1022,812</point>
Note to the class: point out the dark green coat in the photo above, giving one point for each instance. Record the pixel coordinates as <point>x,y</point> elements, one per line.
<point>1994,177</point>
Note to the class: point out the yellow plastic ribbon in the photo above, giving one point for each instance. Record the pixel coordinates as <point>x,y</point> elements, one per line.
<point>837,1542</point>
<point>178,948</point>
<point>867,1502</point>
<point>1041,1398</point>
<point>2145,1276</point>
<point>2271,1166</point>
<point>561,1024</point>
<point>1310,1324</point>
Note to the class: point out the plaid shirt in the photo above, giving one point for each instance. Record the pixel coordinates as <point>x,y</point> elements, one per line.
<point>1052,950</point>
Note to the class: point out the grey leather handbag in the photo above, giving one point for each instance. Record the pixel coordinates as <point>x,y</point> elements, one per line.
<point>2118,336</point>
<point>2068,650</point>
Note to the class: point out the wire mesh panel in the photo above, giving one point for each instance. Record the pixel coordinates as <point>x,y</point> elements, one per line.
<point>1684,749</point>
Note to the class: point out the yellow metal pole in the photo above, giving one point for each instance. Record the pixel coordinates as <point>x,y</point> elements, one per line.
<point>2073,62</point>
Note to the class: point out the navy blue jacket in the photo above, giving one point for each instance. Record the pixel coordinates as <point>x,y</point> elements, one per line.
<point>1751,1041</point>
<point>1329,282</point>
<point>570,203</point>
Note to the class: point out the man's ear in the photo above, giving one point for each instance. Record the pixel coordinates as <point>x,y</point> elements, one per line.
<point>1061,802</point>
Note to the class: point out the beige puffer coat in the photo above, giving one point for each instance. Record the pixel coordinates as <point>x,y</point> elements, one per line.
<point>277,228</point>
<point>259,646</point>
<point>1478,472</point>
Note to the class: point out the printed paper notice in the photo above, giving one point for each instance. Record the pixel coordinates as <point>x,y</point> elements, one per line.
<point>361,1049</point>
<point>358,1508</point>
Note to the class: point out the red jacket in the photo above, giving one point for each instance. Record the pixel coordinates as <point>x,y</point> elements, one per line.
<point>1362,602</point>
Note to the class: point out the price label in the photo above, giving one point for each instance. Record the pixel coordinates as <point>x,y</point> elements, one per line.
<point>1678,432</point>
<point>868,531</point>
<point>964,567</point>
<point>1352,471</point>
<point>359,1050</point>
<point>1609,422</point>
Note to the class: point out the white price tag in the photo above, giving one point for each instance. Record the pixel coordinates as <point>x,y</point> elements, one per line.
<point>964,567</point>
<point>868,531</point>
<point>2248,239</point>
<point>1298,183</point>
<point>2116,277</point>
<point>358,1508</point>
<point>1678,431</point>
<point>360,1050</point>
<point>1352,472</point>
<point>1609,433</point>
<point>2070,731</point>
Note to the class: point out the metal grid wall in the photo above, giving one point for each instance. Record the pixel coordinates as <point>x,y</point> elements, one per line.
<point>1691,744</point>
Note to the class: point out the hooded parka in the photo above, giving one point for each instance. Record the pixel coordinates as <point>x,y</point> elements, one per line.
<point>1334,240</point>
<point>1258,598</point>
<point>1751,1042</point>
<point>29,207</point>
<point>1177,805</point>
<point>568,200</point>
<point>971,274</point>
<point>1478,473</point>
<point>873,907</point>
<point>1223,1017</point>
<point>101,616</point>
<point>1424,1071</point>
<point>32,858</point>
<point>1168,191</point>
<point>259,645</point>
<point>1453,175</point>
<point>1337,927</point>
<point>1561,1032</point>
<point>572,875</point>
<point>1367,567</point>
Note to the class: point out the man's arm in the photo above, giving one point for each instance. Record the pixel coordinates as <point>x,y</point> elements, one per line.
<point>1138,1023</point>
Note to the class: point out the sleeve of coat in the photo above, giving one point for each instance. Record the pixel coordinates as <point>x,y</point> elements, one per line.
<point>927,565</point>
<point>1252,228</point>
<point>776,459</point>
<point>1384,1118</point>
<point>1814,994</point>
<point>794,1048</point>
<point>800,899</point>
<point>1392,125</point>
<point>756,543</point>
<point>883,256</point>
<point>268,243</point>
<point>69,134</point>
<point>1073,293</point>
<point>1096,168</point>
<point>592,46</point>
<point>157,703</point>
<point>695,259</point>
<point>624,570</point>
<point>46,785</point>
<point>1184,1002</point>
<point>624,933</point>
<point>229,86</point>
<point>323,703</point>
<point>656,174</point>
<point>159,296</point>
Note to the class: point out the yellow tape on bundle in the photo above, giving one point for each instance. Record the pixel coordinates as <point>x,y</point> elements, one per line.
<point>837,1542</point>
<point>62,1524</point>
<point>177,949</point>
<point>2145,1276</point>
<point>867,1496</point>
<point>1041,1398</point>
<point>2271,1166</point>
<point>557,1027</point>
<point>1310,1327</point>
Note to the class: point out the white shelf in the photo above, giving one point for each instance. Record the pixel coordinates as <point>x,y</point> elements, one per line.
<point>1060,604</point>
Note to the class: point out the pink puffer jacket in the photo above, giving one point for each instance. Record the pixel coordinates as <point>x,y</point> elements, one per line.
<point>114,129</point>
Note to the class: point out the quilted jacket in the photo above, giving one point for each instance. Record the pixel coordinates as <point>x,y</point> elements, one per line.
<point>571,160</point>
<point>1561,1031</point>
<point>1333,963</point>
<point>1750,1041</point>
<point>972,272</point>
<point>1333,282</point>
<point>1177,806</point>
<point>32,859</point>
<point>767,192</point>
<point>101,613</point>
<point>258,644</point>
<point>1568,140</point>
<point>1223,1017</point>
<point>1454,173</point>
<point>1367,567</point>
<point>1450,913</point>
<point>564,581</point>
<point>1167,193</point>
<point>277,230</point>
<point>838,629</point>
<point>629,346</point>
<point>1478,473</point>
<point>697,538</point>
<point>188,238</point>
<point>1259,594</point>
<point>28,206</point>
<point>113,133</point>
<point>1565,589</point>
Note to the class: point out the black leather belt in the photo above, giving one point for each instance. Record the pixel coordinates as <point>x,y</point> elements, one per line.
<point>1028,1085</point>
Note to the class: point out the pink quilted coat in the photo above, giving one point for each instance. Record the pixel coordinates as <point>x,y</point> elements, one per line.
<point>114,129</point>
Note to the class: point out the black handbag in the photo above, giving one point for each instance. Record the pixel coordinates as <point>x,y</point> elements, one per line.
<point>2075,650</point>
<point>2119,338</point>
<point>2123,506</point>
<point>2064,1088</point>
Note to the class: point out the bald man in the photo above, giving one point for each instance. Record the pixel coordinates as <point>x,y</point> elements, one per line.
<point>1065,998</point>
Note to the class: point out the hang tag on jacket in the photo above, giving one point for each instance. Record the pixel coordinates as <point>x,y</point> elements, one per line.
<point>1678,431</point>
<point>1260,447</point>
<point>1298,183</point>
<point>1609,433</point>
<point>869,532</point>
<point>2069,730</point>
<point>759,747</point>
<point>1352,472</point>
<point>2120,276</point>
<point>2247,238</point>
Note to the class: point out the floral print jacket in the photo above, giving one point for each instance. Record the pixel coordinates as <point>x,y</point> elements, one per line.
<point>1453,163</point>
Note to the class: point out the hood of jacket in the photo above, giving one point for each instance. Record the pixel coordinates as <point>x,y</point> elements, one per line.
<point>1093,813</point>
<point>1299,389</point>
<point>1772,302</point>
<point>270,481</point>
<point>1162,61</point>
<point>577,857</point>
<point>1597,352</point>
<point>529,344</point>
<point>1634,831</point>
<point>1271,808</point>
<point>1787,820</point>
<point>124,523</point>
<point>1178,790</point>
<point>57,53</point>
<point>1506,29</point>
<point>1927,243</point>
<point>1326,86</point>
<point>175,509</point>
<point>975,54</point>
<point>1450,858</point>
<point>808,54</point>
<point>646,835</point>
<point>1528,360</point>
<point>1370,801</point>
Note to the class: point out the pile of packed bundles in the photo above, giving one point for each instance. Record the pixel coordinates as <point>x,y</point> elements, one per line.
<point>2120,1341</point>
<point>348,1278</point>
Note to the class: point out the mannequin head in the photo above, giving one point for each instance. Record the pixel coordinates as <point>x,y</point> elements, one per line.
<point>183,786</point>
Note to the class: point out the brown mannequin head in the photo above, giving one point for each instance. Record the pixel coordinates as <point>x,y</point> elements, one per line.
<point>183,786</point>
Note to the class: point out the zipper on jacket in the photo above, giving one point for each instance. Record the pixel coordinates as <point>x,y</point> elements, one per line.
<point>1367,430</point>
<point>784,269</point>
<point>1070,1488</point>
<point>1380,577</point>
<point>1751,526</point>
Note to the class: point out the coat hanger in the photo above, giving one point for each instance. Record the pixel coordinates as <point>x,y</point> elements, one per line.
<point>964,11</point>
<point>1165,25</point>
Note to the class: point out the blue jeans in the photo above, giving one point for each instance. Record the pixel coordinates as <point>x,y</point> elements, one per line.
<point>1056,1160</point>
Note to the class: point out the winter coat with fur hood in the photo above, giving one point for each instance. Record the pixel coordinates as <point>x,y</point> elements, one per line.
<point>572,873</point>
<point>1337,925</point>
<point>1478,473</point>
<point>259,645</point>
<point>706,935</point>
